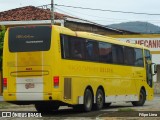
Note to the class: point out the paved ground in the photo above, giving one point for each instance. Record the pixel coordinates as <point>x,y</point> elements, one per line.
<point>1,98</point>
<point>119,110</point>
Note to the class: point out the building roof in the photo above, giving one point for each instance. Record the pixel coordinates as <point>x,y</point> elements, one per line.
<point>29,13</point>
<point>35,15</point>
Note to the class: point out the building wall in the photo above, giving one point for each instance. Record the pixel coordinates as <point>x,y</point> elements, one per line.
<point>90,28</point>
<point>157,87</point>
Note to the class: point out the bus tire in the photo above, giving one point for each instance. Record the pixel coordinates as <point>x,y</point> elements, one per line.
<point>46,108</point>
<point>99,99</point>
<point>88,100</point>
<point>142,99</point>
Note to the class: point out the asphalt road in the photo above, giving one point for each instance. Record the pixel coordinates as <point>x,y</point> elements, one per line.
<point>1,98</point>
<point>120,109</point>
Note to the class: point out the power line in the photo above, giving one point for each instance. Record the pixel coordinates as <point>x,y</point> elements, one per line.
<point>105,18</point>
<point>66,12</point>
<point>45,6</point>
<point>115,20</point>
<point>105,10</point>
<point>91,15</point>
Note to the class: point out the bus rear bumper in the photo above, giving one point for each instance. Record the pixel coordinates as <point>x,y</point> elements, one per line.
<point>31,96</point>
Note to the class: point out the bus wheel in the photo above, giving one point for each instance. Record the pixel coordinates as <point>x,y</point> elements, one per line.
<point>88,100</point>
<point>46,107</point>
<point>106,105</point>
<point>99,99</point>
<point>142,99</point>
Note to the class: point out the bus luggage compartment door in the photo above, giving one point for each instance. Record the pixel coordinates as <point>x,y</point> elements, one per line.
<point>30,82</point>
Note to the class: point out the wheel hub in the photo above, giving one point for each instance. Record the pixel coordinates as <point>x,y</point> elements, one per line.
<point>99,99</point>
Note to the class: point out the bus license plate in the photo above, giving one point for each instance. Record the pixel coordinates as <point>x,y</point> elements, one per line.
<point>29,85</point>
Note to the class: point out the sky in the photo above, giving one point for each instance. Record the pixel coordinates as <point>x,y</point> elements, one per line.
<point>101,17</point>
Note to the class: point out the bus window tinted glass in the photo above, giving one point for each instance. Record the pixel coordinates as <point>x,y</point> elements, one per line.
<point>117,54</point>
<point>138,57</point>
<point>65,46</point>
<point>72,47</point>
<point>129,56</point>
<point>105,52</point>
<point>91,50</point>
<point>77,48</point>
<point>147,55</point>
<point>26,39</point>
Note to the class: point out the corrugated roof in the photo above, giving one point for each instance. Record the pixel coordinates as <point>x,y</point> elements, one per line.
<point>36,14</point>
<point>29,13</point>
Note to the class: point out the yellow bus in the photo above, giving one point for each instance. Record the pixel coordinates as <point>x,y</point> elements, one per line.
<point>53,66</point>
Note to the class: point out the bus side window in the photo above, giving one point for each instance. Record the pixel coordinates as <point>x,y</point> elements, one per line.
<point>91,50</point>
<point>76,53</point>
<point>117,54</point>
<point>129,54</point>
<point>65,46</point>
<point>77,48</point>
<point>138,57</point>
<point>105,52</point>
<point>147,55</point>
<point>148,68</point>
<point>72,47</point>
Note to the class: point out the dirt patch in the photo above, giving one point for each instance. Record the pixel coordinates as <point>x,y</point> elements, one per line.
<point>4,105</point>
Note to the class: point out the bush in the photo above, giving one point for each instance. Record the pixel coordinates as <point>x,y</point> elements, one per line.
<point>2,32</point>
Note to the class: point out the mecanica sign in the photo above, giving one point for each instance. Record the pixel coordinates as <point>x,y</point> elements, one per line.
<point>152,43</point>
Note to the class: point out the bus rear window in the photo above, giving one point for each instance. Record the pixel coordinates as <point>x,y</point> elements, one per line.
<point>25,39</point>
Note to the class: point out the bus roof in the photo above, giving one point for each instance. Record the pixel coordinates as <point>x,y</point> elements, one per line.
<point>93,36</point>
<point>98,37</point>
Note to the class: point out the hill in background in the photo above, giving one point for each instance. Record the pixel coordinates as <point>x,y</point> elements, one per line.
<point>140,27</point>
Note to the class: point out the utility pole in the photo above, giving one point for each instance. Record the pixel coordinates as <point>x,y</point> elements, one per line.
<point>52,12</point>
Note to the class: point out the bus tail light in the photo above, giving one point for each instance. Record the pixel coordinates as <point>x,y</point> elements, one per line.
<point>56,81</point>
<point>4,83</point>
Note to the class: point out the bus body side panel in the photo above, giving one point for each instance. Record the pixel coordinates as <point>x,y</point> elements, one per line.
<point>120,82</point>
<point>6,63</point>
<point>150,93</point>
<point>56,93</point>
<point>117,85</point>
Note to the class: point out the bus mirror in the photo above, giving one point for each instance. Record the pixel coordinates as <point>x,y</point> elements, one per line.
<point>155,68</point>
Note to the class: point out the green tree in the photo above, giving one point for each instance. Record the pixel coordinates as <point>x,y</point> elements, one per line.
<point>2,32</point>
